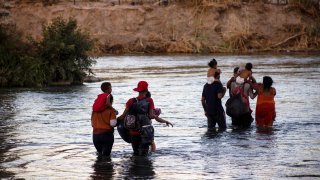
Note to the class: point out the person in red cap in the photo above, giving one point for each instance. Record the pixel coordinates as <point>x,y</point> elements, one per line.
<point>140,143</point>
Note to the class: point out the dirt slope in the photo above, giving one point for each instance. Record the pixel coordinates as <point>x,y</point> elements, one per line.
<point>229,27</point>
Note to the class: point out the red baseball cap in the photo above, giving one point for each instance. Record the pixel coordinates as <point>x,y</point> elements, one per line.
<point>142,85</point>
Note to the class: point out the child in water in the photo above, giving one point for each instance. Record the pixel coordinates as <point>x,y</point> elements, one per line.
<point>212,71</point>
<point>157,112</point>
<point>244,74</point>
<point>103,121</point>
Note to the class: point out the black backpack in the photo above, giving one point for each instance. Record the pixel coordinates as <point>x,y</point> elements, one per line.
<point>235,107</point>
<point>137,115</point>
<point>138,119</point>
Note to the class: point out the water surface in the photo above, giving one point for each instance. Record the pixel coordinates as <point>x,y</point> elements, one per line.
<point>46,133</point>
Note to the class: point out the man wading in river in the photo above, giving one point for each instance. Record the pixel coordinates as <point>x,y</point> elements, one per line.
<point>211,103</point>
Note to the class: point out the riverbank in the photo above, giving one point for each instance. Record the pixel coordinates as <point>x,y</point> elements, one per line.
<point>207,28</point>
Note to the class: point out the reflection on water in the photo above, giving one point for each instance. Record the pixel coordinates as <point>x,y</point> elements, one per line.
<point>103,168</point>
<point>46,133</point>
<point>7,111</point>
<point>138,167</point>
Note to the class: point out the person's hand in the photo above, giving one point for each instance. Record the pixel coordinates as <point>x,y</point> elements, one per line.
<point>169,123</point>
<point>117,112</point>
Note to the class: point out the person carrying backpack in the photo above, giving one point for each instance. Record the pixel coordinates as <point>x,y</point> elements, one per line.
<point>137,118</point>
<point>238,105</point>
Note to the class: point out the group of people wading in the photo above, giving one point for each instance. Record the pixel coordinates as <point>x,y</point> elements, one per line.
<point>241,86</point>
<point>134,124</point>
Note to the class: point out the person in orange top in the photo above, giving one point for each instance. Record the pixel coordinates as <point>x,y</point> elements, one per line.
<point>103,123</point>
<point>265,108</point>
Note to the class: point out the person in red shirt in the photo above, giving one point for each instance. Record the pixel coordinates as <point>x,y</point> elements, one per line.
<point>139,147</point>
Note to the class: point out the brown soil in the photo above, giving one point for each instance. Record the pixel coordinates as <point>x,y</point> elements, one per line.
<point>209,28</point>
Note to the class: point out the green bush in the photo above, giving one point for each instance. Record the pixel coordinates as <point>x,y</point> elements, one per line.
<point>61,56</point>
<point>64,51</point>
<point>18,66</point>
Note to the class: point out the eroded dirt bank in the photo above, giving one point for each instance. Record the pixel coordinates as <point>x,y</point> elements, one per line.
<point>229,27</point>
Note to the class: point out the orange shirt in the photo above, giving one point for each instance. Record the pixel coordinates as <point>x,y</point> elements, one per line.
<point>100,121</point>
<point>265,97</point>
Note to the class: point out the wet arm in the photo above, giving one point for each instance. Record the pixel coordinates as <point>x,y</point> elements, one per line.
<point>203,102</point>
<point>157,118</point>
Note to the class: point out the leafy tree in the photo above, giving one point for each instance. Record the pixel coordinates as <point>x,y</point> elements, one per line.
<point>64,51</point>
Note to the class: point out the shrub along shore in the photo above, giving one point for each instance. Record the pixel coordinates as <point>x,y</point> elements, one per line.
<point>60,58</point>
<point>53,42</point>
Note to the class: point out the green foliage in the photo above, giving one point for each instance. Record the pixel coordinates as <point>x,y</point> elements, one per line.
<point>18,67</point>
<point>61,56</point>
<point>64,51</point>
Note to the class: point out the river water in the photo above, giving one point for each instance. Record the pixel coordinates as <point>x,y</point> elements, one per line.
<point>46,133</point>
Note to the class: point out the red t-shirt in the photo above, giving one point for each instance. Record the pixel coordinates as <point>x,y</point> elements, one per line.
<point>100,103</point>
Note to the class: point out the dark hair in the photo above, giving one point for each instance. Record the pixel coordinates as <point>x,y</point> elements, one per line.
<point>212,63</point>
<point>111,98</point>
<point>105,86</point>
<point>267,82</point>
<point>148,94</point>
<point>235,70</point>
<point>249,66</point>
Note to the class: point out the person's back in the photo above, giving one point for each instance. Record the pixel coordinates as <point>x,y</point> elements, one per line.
<point>211,103</point>
<point>244,74</point>
<point>210,92</point>
<point>265,108</point>
<point>266,95</point>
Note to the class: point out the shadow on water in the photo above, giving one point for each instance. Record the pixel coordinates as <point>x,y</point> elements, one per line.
<point>132,167</point>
